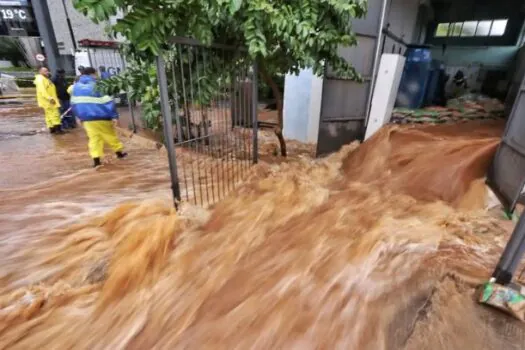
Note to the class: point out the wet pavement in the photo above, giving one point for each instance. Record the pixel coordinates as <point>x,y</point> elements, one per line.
<point>44,173</point>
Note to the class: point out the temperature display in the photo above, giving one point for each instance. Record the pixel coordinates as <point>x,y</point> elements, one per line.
<point>15,14</point>
<point>17,20</point>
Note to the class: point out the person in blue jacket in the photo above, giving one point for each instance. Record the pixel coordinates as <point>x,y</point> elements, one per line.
<point>104,74</point>
<point>98,115</point>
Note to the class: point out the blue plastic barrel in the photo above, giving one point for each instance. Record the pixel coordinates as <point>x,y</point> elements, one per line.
<point>416,74</point>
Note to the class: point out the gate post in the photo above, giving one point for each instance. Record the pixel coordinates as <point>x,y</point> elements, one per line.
<point>168,128</point>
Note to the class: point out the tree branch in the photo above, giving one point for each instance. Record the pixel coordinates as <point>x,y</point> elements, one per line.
<point>279,102</point>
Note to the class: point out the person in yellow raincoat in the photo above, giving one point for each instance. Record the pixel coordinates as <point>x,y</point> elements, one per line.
<point>98,115</point>
<point>46,96</point>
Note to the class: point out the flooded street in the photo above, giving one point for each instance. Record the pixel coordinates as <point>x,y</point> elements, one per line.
<point>46,180</point>
<point>379,246</point>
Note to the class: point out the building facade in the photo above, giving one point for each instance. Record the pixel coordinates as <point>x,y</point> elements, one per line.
<point>71,26</point>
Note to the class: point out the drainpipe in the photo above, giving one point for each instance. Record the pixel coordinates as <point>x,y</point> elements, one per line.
<point>377,58</point>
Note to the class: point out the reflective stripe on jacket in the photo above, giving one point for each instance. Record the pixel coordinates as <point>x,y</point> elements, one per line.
<point>88,104</point>
<point>45,92</point>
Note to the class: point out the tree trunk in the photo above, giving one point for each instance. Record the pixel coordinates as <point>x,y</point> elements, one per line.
<point>279,102</point>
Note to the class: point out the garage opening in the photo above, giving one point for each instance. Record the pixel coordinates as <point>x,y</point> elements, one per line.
<point>459,65</point>
<point>467,62</point>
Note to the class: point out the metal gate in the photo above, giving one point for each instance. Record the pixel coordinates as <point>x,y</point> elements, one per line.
<point>208,101</point>
<point>344,103</point>
<point>506,175</point>
<point>106,58</point>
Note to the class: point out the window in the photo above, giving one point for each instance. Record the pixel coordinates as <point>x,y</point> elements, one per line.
<point>442,29</point>
<point>456,29</point>
<point>485,28</point>
<point>469,28</point>
<point>498,27</point>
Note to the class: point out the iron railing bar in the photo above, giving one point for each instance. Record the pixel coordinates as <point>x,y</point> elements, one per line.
<point>245,128</point>
<point>224,159</point>
<point>246,162</point>
<point>176,101</point>
<point>128,98</point>
<point>214,106</point>
<point>187,116</point>
<point>183,81</point>
<point>89,57</point>
<point>233,98</point>
<point>235,121</point>
<point>104,59</point>
<point>185,175</point>
<point>196,184</point>
<point>255,99</point>
<point>185,109</point>
<point>192,97</point>
<point>202,120</point>
<point>205,120</point>
<point>239,125</point>
<point>111,61</point>
<point>95,59</point>
<point>101,58</point>
<point>227,122</point>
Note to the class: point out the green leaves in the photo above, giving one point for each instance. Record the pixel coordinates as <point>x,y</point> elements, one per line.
<point>283,35</point>
<point>97,10</point>
<point>301,31</point>
<point>235,5</point>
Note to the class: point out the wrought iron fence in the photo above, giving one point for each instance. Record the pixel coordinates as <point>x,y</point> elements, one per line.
<point>209,106</point>
<point>106,58</point>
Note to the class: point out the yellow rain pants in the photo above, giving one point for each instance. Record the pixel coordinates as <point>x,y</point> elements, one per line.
<point>52,116</point>
<point>100,132</point>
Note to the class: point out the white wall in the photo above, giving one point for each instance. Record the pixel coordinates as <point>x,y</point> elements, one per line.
<point>302,106</point>
<point>83,27</point>
<point>303,93</point>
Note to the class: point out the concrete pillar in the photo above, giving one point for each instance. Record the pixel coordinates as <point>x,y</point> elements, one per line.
<point>302,106</point>
<point>45,27</point>
<point>385,92</point>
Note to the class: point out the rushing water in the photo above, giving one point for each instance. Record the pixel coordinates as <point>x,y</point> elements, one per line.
<point>362,250</point>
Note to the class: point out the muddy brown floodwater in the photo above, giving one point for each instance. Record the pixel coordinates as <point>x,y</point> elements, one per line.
<point>375,247</point>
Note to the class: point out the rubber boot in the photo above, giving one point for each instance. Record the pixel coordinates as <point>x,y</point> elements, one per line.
<point>58,130</point>
<point>52,130</point>
<point>121,155</point>
<point>96,162</point>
